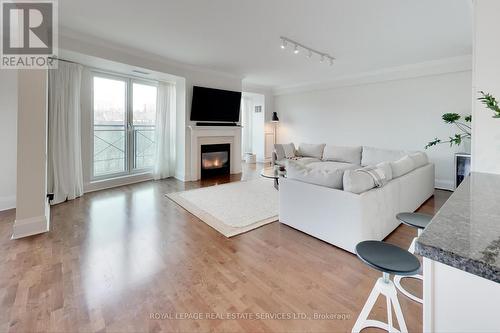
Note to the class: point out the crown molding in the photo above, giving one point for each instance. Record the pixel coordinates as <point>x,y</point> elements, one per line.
<point>72,38</point>
<point>428,68</point>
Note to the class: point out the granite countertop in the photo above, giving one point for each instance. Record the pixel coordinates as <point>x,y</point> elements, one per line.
<point>465,233</point>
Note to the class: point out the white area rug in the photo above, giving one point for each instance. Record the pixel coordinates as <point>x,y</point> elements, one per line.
<point>232,208</point>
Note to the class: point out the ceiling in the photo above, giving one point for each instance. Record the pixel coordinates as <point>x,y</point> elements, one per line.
<point>242,36</point>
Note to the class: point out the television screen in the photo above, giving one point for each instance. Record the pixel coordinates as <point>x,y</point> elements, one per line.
<point>215,105</point>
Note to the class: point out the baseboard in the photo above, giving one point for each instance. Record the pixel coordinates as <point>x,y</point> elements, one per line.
<point>116,182</point>
<point>7,202</point>
<point>32,226</point>
<point>442,184</point>
<point>180,177</point>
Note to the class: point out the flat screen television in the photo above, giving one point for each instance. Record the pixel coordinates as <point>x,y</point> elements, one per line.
<point>215,105</point>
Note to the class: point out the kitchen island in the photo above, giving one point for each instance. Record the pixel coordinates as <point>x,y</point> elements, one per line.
<point>461,250</point>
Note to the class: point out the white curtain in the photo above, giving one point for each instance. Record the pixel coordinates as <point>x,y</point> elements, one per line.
<point>165,132</point>
<point>65,176</point>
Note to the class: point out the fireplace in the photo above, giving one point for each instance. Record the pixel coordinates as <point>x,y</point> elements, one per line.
<point>215,160</point>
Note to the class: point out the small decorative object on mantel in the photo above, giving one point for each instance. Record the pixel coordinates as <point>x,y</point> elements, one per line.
<point>490,102</point>
<point>463,126</point>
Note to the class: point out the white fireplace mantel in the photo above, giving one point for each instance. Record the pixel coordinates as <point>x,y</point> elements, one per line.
<point>205,135</point>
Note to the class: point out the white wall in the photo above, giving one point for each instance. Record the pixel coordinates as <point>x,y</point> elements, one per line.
<point>8,144</point>
<point>486,77</point>
<point>193,76</point>
<point>399,114</point>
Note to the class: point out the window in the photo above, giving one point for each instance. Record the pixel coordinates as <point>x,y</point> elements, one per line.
<point>124,111</point>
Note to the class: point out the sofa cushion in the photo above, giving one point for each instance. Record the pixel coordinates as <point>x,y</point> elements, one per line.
<point>386,167</point>
<point>343,154</point>
<point>311,150</point>
<point>304,160</point>
<point>374,156</point>
<point>328,165</point>
<point>364,179</point>
<point>402,166</point>
<point>286,150</point>
<point>355,181</point>
<point>319,176</point>
<point>419,158</point>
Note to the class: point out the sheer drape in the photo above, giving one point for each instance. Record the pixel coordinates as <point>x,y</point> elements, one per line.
<point>65,176</point>
<point>165,131</point>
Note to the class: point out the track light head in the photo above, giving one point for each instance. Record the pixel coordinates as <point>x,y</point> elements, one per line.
<point>309,54</point>
<point>322,59</point>
<point>296,49</point>
<point>283,43</point>
<point>331,61</point>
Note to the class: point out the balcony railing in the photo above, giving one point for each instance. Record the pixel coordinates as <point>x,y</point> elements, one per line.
<point>110,152</point>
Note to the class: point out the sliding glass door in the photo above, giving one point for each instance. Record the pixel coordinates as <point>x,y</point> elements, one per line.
<point>124,111</point>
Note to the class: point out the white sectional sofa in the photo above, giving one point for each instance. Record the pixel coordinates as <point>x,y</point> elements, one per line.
<point>330,198</point>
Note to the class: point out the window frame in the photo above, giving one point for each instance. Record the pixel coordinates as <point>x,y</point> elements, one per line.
<point>130,170</point>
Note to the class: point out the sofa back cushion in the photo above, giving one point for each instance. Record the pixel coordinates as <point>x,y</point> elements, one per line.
<point>374,156</point>
<point>286,150</point>
<point>419,158</point>
<point>402,166</point>
<point>311,150</point>
<point>318,176</point>
<point>343,154</point>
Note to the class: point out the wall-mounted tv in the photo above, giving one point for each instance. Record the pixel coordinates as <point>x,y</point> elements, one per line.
<point>215,105</point>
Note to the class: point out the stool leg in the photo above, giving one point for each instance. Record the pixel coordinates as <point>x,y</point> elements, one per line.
<point>385,287</point>
<point>389,311</point>
<point>399,314</point>
<point>370,302</point>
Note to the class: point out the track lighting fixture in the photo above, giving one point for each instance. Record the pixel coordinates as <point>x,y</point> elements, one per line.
<point>310,52</point>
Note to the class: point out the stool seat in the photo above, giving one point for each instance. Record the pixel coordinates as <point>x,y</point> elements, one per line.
<point>387,258</point>
<point>416,220</point>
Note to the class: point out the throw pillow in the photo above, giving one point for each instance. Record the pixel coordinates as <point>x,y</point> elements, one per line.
<point>386,167</point>
<point>343,154</point>
<point>364,179</point>
<point>311,150</point>
<point>402,166</point>
<point>289,150</point>
<point>284,151</point>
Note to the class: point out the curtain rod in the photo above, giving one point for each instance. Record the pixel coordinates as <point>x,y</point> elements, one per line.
<point>112,72</point>
<point>60,59</point>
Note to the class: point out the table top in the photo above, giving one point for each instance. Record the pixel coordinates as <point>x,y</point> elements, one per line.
<point>271,172</point>
<point>465,233</point>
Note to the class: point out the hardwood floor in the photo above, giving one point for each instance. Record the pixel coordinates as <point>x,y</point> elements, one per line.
<point>129,259</point>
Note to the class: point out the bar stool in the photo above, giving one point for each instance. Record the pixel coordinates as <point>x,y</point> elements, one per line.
<point>419,221</point>
<point>389,259</point>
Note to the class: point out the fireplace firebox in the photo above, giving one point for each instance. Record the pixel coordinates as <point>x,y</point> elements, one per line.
<point>215,160</point>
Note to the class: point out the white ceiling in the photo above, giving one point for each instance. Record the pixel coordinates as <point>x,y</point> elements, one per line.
<point>242,36</point>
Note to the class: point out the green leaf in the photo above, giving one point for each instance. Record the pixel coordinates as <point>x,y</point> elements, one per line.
<point>450,118</point>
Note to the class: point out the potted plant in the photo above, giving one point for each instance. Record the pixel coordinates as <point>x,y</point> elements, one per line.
<point>463,126</point>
